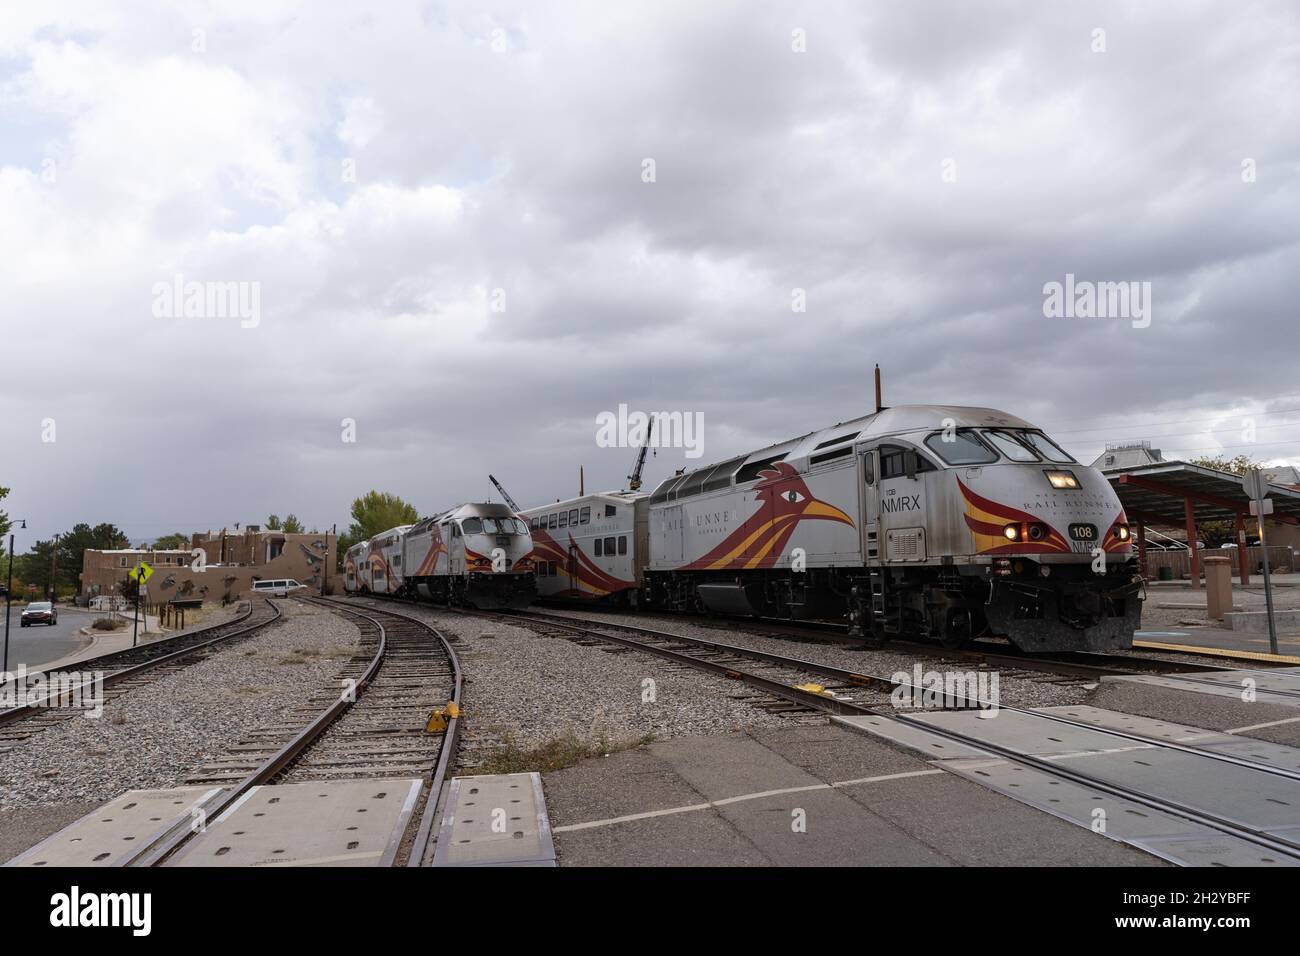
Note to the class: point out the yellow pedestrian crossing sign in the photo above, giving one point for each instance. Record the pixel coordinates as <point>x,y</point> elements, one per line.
<point>141,573</point>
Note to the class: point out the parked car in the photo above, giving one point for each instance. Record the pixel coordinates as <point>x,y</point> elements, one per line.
<point>40,612</point>
<point>278,588</point>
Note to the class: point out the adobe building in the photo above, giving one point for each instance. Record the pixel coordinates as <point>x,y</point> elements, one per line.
<point>230,563</point>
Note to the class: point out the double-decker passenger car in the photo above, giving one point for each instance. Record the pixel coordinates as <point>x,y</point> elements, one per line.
<point>590,548</point>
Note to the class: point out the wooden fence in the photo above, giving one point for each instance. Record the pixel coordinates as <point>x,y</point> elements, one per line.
<point>1281,559</point>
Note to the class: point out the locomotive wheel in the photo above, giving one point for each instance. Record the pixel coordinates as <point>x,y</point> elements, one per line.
<point>958,629</point>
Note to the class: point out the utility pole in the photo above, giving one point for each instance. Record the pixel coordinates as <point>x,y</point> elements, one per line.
<point>9,588</point>
<point>135,621</point>
<point>325,562</point>
<point>54,568</point>
<point>1257,487</point>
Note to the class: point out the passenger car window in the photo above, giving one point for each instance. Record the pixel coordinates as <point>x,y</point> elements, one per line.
<point>868,469</point>
<point>573,516</point>
<point>610,511</point>
<point>622,544</point>
<point>564,519</point>
<point>609,546</point>
<point>600,551</point>
<point>550,521</point>
<point>585,516</point>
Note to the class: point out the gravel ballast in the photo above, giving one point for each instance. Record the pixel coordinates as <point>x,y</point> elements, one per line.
<point>524,690</point>
<point>153,736</point>
<point>1045,690</point>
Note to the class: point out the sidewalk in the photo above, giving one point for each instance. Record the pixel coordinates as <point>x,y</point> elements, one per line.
<point>109,642</point>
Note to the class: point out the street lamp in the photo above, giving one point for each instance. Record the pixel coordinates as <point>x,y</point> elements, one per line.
<point>9,589</point>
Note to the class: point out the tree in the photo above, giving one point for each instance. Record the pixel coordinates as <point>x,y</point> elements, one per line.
<point>273,523</point>
<point>1234,466</point>
<point>4,523</point>
<point>34,566</point>
<point>172,541</point>
<point>74,544</point>
<point>1216,533</point>
<point>372,513</point>
<point>292,525</point>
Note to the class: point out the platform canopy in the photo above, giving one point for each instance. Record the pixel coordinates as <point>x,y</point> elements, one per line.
<point>1159,493</point>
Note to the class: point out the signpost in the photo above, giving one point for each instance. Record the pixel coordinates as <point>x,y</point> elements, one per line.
<point>140,574</point>
<point>1256,486</point>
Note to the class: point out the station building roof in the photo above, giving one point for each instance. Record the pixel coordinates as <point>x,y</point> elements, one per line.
<point>1156,494</point>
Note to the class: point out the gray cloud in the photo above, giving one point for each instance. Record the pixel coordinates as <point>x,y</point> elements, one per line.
<point>519,170</point>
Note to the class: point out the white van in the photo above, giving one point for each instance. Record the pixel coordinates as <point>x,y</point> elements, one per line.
<point>280,588</point>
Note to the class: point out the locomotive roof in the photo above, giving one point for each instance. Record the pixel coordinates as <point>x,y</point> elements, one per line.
<point>899,420</point>
<point>473,509</point>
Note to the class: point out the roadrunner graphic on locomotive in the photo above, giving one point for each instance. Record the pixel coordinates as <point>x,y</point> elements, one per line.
<point>923,520</point>
<point>473,554</point>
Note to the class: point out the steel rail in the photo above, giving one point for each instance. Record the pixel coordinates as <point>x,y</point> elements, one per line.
<point>170,840</point>
<point>1234,828</point>
<point>450,740</point>
<point>12,714</point>
<point>1068,663</point>
<point>888,683</point>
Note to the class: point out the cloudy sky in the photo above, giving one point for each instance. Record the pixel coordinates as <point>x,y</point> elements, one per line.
<point>444,212</point>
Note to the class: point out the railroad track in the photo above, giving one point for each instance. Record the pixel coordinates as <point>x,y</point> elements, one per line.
<point>849,693</point>
<point>1073,667</point>
<point>125,671</point>
<point>375,727</point>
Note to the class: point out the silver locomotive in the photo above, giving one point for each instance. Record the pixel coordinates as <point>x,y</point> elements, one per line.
<point>921,520</point>
<point>474,554</point>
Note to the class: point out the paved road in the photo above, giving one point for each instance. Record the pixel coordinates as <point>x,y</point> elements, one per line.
<point>40,644</point>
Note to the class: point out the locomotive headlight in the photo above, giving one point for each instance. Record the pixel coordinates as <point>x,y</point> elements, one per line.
<point>1062,479</point>
<point>1012,531</point>
<point>1121,532</point>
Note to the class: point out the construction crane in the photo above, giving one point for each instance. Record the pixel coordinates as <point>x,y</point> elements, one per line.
<point>634,479</point>
<point>506,495</point>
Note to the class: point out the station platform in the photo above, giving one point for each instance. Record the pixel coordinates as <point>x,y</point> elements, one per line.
<point>1274,685</point>
<point>1218,641</point>
<point>812,795</point>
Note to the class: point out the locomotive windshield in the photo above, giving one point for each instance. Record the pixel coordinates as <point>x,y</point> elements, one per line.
<point>961,448</point>
<point>496,526</point>
<point>969,447</point>
<point>1046,447</point>
<point>1009,446</point>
